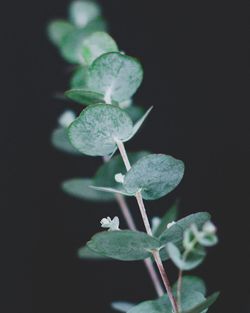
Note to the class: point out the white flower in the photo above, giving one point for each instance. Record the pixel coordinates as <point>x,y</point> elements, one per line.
<point>119,178</point>
<point>209,228</point>
<point>112,224</point>
<point>170,224</point>
<point>66,118</point>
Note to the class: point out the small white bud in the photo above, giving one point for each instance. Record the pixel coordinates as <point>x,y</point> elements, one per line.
<point>209,228</point>
<point>119,178</point>
<point>170,224</point>
<point>66,118</point>
<point>111,224</point>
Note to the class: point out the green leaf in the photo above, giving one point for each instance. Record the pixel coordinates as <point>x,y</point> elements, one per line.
<point>161,305</point>
<point>124,245</point>
<point>201,307</point>
<point>155,175</point>
<point>79,188</point>
<point>83,12</point>
<point>191,283</point>
<point>191,298</point>
<point>135,112</point>
<point>170,216</point>
<point>139,123</point>
<point>115,75</point>
<point>122,306</point>
<point>86,253</point>
<point>86,97</point>
<point>111,190</point>
<point>97,44</point>
<point>60,141</point>
<point>197,218</point>
<point>95,131</point>
<point>71,44</point>
<point>57,30</point>
<point>194,258</point>
<point>79,78</point>
<point>105,175</point>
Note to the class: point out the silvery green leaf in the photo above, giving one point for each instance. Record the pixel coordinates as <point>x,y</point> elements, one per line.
<point>79,188</point>
<point>97,44</point>
<point>105,175</point>
<point>71,43</point>
<point>124,245</point>
<point>83,12</point>
<point>170,216</point>
<point>122,306</point>
<point>138,124</point>
<point>154,175</point>
<point>60,140</point>
<point>161,305</point>
<point>135,112</point>
<point>98,127</point>
<point>204,305</point>
<point>194,258</point>
<point>86,253</point>
<point>191,283</point>
<point>57,30</point>
<point>86,97</point>
<point>115,75</point>
<point>79,78</point>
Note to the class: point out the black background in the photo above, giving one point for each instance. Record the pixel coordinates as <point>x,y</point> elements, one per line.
<point>195,65</point>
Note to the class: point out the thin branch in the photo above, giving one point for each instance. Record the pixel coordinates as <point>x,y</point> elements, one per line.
<point>131,224</point>
<point>145,219</point>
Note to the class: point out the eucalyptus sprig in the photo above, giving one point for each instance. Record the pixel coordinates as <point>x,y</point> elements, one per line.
<point>105,79</point>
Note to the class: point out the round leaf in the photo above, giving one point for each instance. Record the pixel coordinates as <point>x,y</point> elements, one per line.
<point>122,306</point>
<point>57,30</point>
<point>191,283</point>
<point>95,131</point>
<point>155,175</point>
<point>97,44</point>
<point>60,141</point>
<point>79,188</point>
<point>82,12</point>
<point>115,75</point>
<point>71,44</point>
<point>204,305</point>
<point>125,245</point>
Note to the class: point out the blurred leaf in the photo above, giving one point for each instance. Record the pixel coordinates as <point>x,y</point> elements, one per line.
<point>60,140</point>
<point>115,75</point>
<point>111,190</point>
<point>190,283</point>
<point>71,44</point>
<point>97,44</point>
<point>201,307</point>
<point>170,216</point>
<point>155,175</point>
<point>83,12</point>
<point>122,306</point>
<point>57,30</point>
<point>193,259</point>
<point>87,254</point>
<point>135,112</point>
<point>79,77</point>
<point>94,132</point>
<point>79,188</point>
<point>124,245</point>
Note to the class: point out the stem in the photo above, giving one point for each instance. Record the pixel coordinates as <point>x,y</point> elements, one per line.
<point>179,286</point>
<point>145,219</point>
<point>131,224</point>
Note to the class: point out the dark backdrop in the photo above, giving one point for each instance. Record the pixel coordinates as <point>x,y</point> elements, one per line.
<point>195,76</point>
